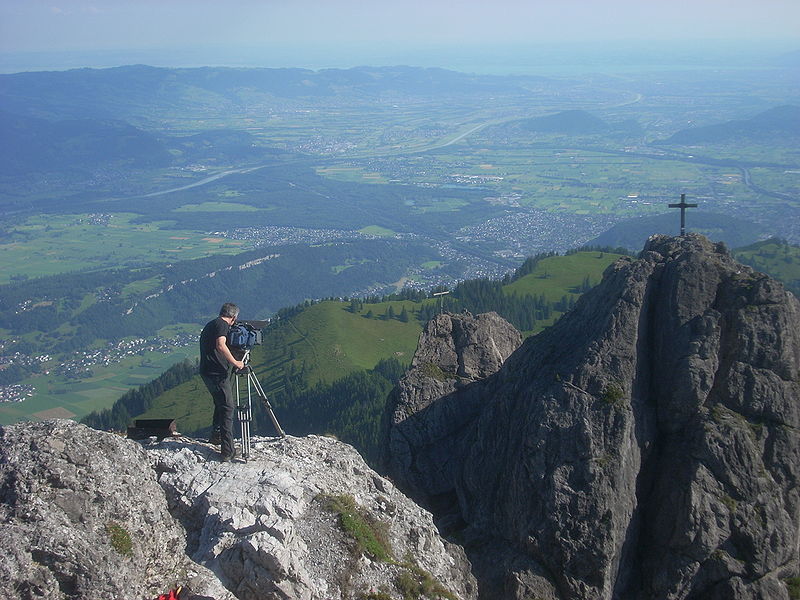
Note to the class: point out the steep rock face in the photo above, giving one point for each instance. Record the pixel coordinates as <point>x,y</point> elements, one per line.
<point>645,446</point>
<point>453,351</point>
<point>251,530</point>
<point>82,516</point>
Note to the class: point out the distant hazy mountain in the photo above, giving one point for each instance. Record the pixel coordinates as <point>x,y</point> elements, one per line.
<point>127,92</point>
<point>782,121</point>
<point>31,144</point>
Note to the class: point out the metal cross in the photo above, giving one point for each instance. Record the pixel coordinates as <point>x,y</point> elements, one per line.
<point>683,206</point>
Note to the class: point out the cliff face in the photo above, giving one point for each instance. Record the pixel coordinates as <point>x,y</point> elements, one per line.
<point>86,514</point>
<point>453,351</point>
<point>645,446</point>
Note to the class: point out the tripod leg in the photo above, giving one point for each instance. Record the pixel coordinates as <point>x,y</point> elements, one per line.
<point>246,424</point>
<point>267,405</point>
<point>239,407</point>
<point>243,412</point>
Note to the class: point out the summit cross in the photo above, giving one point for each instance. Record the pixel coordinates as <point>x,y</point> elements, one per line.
<point>683,206</point>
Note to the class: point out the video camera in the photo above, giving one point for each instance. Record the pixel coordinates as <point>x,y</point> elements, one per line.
<point>243,335</point>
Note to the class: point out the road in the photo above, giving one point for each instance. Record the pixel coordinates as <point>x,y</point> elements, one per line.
<point>201,182</point>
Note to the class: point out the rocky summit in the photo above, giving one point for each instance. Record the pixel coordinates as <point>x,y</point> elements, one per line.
<point>88,514</point>
<point>646,446</point>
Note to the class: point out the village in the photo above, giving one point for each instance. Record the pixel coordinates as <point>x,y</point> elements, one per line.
<point>81,364</point>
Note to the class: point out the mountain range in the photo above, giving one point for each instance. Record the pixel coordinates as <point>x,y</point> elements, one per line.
<point>128,92</point>
<point>778,122</point>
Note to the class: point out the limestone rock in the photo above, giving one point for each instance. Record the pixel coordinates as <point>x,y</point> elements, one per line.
<point>82,516</point>
<point>86,514</point>
<point>645,446</point>
<point>453,351</point>
<point>262,526</point>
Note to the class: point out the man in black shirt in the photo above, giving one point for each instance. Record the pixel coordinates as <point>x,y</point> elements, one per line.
<point>217,368</point>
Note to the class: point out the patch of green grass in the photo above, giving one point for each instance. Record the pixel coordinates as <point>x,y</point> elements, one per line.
<point>333,341</point>
<point>371,537</point>
<point>435,372</point>
<point>141,286</point>
<point>560,278</point>
<point>120,538</point>
<point>351,174</point>
<point>377,230</point>
<point>793,586</point>
<point>217,207</point>
<point>432,264</point>
<point>380,595</point>
<point>557,276</point>
<point>613,394</point>
<point>368,534</point>
<point>414,582</point>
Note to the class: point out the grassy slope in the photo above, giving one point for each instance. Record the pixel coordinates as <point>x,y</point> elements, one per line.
<point>559,276</point>
<point>330,340</point>
<point>775,258</point>
<point>333,341</point>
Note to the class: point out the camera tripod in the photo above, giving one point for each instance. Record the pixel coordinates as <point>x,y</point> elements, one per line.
<point>244,407</point>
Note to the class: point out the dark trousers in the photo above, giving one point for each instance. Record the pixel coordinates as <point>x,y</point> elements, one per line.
<point>221,390</point>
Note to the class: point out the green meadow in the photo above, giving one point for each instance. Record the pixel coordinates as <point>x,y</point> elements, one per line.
<point>51,244</point>
<point>557,276</point>
<point>775,258</point>
<point>326,340</point>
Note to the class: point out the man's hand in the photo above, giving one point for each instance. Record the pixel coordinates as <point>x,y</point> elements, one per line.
<point>238,364</point>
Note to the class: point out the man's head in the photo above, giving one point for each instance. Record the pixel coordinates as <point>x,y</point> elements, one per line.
<point>229,311</point>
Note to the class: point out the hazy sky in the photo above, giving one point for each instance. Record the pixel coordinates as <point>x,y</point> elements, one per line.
<point>117,25</point>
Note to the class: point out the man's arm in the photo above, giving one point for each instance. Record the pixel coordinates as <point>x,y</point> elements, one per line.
<point>222,346</point>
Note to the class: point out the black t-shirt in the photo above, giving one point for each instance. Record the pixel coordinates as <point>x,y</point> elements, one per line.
<point>211,361</point>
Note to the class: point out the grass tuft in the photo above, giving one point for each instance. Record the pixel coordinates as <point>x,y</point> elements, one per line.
<point>120,538</point>
<point>369,535</point>
<point>793,585</point>
<point>414,582</point>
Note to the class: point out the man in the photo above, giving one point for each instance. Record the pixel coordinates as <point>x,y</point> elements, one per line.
<point>217,368</point>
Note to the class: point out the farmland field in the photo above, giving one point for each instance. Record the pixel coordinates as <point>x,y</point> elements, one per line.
<point>51,244</point>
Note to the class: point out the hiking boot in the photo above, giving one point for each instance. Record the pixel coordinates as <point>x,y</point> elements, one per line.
<point>230,457</point>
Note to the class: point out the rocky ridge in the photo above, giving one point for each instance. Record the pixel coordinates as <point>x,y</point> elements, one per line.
<point>453,351</point>
<point>645,446</point>
<point>87,514</point>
